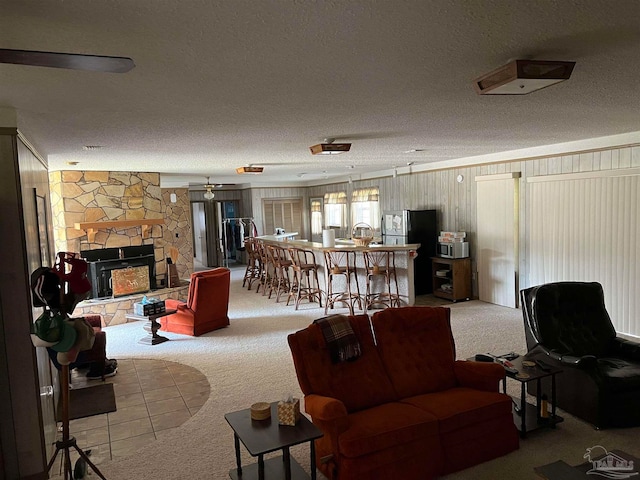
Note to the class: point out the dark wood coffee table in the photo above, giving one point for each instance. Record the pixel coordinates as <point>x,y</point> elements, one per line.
<point>264,436</point>
<point>151,327</point>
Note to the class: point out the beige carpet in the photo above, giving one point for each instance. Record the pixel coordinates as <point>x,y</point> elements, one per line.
<point>250,362</point>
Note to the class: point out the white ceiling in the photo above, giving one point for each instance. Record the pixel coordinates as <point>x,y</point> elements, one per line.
<point>221,84</point>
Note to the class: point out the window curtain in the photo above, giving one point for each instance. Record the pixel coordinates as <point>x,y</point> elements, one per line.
<point>335,198</point>
<point>335,210</point>
<point>316,217</point>
<point>584,227</point>
<point>365,207</point>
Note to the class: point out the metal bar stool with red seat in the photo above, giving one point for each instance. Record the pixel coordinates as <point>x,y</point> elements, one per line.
<point>305,282</point>
<point>380,268</point>
<point>280,280</point>
<point>342,263</point>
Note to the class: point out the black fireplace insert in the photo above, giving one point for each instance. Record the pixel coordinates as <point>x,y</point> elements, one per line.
<point>101,262</point>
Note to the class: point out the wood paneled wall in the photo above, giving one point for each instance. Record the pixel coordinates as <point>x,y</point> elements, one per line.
<point>456,202</point>
<point>22,433</point>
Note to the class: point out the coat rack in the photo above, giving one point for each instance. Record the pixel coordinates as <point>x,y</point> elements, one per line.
<point>67,442</point>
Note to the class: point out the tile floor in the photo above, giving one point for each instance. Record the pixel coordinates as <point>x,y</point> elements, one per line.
<point>152,397</point>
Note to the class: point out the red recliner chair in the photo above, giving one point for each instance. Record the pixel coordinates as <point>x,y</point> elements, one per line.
<point>207,304</point>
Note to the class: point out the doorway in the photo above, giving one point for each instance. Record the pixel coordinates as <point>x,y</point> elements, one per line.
<point>497,220</point>
<point>209,246</point>
<point>199,236</point>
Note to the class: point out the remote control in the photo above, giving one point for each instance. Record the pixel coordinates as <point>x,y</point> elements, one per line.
<point>507,365</point>
<point>543,366</point>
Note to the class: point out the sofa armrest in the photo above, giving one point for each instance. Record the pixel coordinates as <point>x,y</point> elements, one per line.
<point>626,349</point>
<point>479,375</point>
<point>584,361</point>
<point>326,409</point>
<point>171,304</point>
<point>331,417</point>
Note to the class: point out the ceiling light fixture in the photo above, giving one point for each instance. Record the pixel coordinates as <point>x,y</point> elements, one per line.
<point>329,148</point>
<point>249,169</point>
<point>208,195</point>
<point>520,77</point>
<point>92,147</point>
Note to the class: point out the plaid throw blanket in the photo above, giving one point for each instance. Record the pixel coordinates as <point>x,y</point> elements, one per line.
<point>342,342</point>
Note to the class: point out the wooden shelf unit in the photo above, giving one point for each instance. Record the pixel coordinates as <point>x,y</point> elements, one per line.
<point>458,275</point>
<point>144,223</point>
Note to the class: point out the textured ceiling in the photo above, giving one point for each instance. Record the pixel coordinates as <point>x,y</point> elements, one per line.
<point>221,84</point>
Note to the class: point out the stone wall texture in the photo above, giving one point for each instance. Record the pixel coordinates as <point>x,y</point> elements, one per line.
<point>86,196</point>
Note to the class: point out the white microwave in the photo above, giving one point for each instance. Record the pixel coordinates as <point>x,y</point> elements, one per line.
<point>453,249</point>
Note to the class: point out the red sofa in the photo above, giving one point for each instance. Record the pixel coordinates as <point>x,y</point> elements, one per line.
<point>405,408</point>
<point>207,304</point>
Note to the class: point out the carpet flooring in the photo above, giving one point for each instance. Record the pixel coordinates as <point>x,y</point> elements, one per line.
<point>250,362</point>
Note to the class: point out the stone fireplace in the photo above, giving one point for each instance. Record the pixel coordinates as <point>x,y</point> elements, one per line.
<point>104,210</point>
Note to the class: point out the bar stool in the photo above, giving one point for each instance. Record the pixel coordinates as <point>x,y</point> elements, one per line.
<point>265,270</point>
<point>304,285</point>
<point>382,264</point>
<point>280,279</point>
<point>254,263</point>
<point>341,262</point>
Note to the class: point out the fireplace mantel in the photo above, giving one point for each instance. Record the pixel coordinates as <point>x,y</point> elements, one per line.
<point>92,227</point>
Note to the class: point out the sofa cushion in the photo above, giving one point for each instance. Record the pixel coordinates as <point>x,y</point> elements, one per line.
<point>359,384</point>
<point>385,426</point>
<point>460,407</point>
<point>417,349</point>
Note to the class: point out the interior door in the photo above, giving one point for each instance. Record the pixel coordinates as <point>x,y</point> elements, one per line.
<point>497,220</point>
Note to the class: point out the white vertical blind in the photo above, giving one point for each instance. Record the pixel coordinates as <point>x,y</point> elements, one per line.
<point>584,227</point>
<point>497,238</point>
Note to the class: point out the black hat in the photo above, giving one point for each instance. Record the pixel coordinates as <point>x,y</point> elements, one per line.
<point>45,285</point>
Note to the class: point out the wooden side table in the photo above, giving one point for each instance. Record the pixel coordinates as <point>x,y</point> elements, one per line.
<point>264,436</point>
<point>151,327</point>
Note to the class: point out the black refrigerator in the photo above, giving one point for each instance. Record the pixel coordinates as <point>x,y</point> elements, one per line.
<point>414,226</point>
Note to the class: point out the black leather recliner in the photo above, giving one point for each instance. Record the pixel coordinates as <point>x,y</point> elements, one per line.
<point>567,325</point>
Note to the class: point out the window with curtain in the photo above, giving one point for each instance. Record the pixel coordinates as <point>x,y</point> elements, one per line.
<point>316,217</point>
<point>365,207</point>
<point>335,210</point>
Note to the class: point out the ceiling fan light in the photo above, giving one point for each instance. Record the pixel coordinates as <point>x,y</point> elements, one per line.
<point>521,77</point>
<point>329,148</point>
<point>249,169</point>
<point>208,195</point>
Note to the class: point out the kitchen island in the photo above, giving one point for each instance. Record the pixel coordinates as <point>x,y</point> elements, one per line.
<point>404,257</point>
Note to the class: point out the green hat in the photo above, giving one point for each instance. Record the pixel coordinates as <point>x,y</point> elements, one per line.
<point>46,330</point>
<point>68,335</point>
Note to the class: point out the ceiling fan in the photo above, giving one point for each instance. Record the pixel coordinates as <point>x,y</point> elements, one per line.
<point>208,195</point>
<point>73,61</point>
